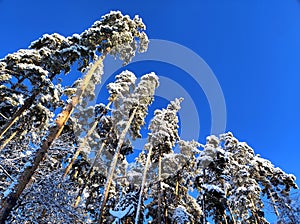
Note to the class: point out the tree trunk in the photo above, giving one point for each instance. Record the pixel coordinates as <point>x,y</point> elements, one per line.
<point>76,154</point>
<point>27,104</point>
<point>254,213</point>
<point>143,186</point>
<point>8,139</point>
<point>6,173</point>
<point>16,188</point>
<point>225,217</point>
<point>90,171</point>
<point>159,191</point>
<point>231,215</point>
<point>177,190</point>
<point>165,208</point>
<point>114,163</point>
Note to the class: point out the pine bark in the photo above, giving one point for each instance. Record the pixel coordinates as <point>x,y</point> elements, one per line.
<point>77,152</point>
<point>17,187</point>
<point>143,186</point>
<point>113,164</point>
<point>27,104</point>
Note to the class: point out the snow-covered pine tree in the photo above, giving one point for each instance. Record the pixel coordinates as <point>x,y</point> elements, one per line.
<point>47,199</point>
<point>164,134</point>
<point>124,210</point>
<point>211,166</point>
<point>115,34</point>
<point>180,169</point>
<point>178,175</point>
<point>128,116</point>
<point>53,54</point>
<point>232,185</point>
<point>122,87</point>
<point>233,181</point>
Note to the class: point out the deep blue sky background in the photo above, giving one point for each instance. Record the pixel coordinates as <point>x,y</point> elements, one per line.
<point>253,47</point>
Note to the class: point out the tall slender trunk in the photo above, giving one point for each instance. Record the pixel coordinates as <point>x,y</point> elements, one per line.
<point>225,217</point>
<point>159,191</point>
<point>77,152</point>
<point>143,186</point>
<point>2,115</point>
<point>6,173</point>
<point>27,104</point>
<point>16,188</point>
<point>90,171</point>
<point>254,213</point>
<point>165,208</point>
<point>231,214</point>
<point>114,163</point>
<point>9,139</point>
<point>203,201</point>
<point>177,189</point>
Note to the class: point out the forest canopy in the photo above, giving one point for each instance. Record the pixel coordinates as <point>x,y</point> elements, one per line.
<point>65,161</point>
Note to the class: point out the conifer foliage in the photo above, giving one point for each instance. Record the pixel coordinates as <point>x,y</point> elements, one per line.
<point>75,168</point>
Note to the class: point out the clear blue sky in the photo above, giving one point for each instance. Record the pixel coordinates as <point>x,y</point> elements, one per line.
<point>253,48</point>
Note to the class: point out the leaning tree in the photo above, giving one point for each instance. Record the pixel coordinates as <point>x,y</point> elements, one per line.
<point>66,160</point>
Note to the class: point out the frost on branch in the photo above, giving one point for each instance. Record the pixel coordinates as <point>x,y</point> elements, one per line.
<point>30,72</point>
<point>125,207</point>
<point>143,96</point>
<point>164,129</point>
<point>232,181</point>
<point>181,216</point>
<point>122,87</point>
<point>140,98</point>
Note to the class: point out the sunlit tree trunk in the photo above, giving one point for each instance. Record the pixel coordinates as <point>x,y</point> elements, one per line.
<point>17,187</point>
<point>159,191</point>
<point>9,139</point>
<point>27,104</point>
<point>90,170</point>
<point>113,164</point>
<point>84,142</point>
<point>143,185</point>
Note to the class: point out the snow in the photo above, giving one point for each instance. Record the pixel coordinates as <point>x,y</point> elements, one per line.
<point>164,186</point>
<point>241,190</point>
<point>211,187</point>
<point>42,72</point>
<point>181,215</point>
<point>71,49</point>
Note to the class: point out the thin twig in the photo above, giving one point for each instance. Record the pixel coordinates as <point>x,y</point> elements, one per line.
<point>6,173</point>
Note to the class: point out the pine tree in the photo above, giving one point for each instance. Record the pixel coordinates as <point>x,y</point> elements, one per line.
<point>162,138</point>
<point>74,169</point>
<point>115,34</point>
<point>122,87</point>
<point>129,116</point>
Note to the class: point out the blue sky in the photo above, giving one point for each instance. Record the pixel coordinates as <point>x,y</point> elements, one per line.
<point>253,48</point>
